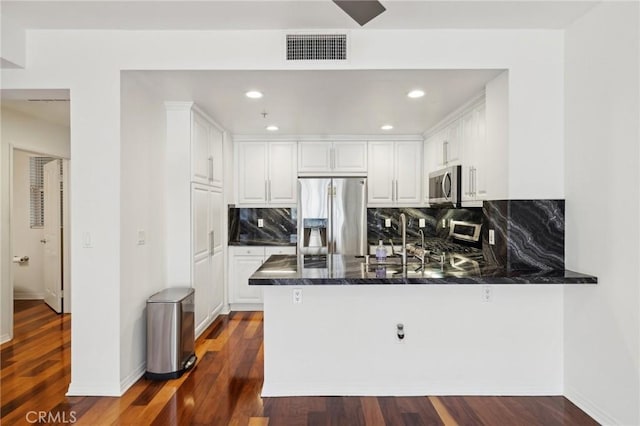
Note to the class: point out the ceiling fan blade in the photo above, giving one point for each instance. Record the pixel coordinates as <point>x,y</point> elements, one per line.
<point>362,11</point>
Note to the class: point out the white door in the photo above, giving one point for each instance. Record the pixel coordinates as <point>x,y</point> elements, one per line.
<point>252,173</point>
<point>381,180</point>
<point>282,185</point>
<point>201,160</point>
<point>314,157</point>
<point>408,159</point>
<point>350,157</point>
<point>202,252</point>
<point>52,236</point>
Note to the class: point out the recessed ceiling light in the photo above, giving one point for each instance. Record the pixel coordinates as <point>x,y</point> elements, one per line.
<point>272,128</point>
<point>253,94</point>
<point>416,93</point>
<point>387,127</point>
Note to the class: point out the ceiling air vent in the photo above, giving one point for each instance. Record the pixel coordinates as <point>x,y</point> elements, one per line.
<point>316,47</point>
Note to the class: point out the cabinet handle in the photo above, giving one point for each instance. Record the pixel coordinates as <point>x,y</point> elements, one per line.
<point>397,193</point>
<point>266,190</point>
<point>210,168</point>
<point>211,243</point>
<point>475,182</point>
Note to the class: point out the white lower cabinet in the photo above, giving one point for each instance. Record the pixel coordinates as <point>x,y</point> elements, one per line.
<point>243,262</point>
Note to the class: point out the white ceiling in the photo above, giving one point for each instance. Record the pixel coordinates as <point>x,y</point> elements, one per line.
<point>352,102</point>
<point>51,106</point>
<point>298,14</point>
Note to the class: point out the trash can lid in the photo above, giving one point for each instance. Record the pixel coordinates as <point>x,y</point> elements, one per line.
<point>167,295</point>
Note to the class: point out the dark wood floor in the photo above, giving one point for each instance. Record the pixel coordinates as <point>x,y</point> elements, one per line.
<point>224,388</point>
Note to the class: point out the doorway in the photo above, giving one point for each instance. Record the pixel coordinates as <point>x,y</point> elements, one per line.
<point>39,209</point>
<point>35,132</point>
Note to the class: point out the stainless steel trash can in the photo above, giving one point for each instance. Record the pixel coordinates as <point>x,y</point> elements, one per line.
<point>170,333</point>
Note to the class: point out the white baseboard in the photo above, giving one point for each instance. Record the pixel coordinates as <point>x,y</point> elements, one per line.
<point>590,407</point>
<point>132,378</point>
<point>27,295</point>
<point>5,338</point>
<point>246,306</point>
<point>202,327</point>
<point>94,390</point>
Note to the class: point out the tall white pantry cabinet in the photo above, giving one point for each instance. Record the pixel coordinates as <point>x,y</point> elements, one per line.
<point>194,206</point>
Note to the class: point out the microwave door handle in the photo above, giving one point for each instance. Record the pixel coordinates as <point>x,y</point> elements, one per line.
<point>444,191</point>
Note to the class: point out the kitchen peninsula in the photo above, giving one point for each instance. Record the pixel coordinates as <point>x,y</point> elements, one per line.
<point>333,328</point>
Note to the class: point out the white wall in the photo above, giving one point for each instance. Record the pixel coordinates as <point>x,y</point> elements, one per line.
<point>31,134</point>
<point>602,324</point>
<point>89,64</point>
<point>142,270</point>
<point>28,278</point>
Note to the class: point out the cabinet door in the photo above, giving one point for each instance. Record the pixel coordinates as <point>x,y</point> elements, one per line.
<point>217,283</point>
<point>468,142</point>
<point>201,161</point>
<point>380,175</point>
<point>282,183</point>
<point>252,172</point>
<point>216,138</point>
<point>451,143</point>
<point>408,172</point>
<point>201,252</point>
<point>243,268</point>
<point>350,157</point>
<point>215,215</point>
<point>482,156</point>
<point>314,157</point>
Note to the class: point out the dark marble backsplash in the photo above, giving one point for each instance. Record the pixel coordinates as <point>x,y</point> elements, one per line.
<point>280,226</point>
<point>433,222</point>
<point>529,234</point>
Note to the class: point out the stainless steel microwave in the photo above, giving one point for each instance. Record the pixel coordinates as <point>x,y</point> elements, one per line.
<point>445,187</point>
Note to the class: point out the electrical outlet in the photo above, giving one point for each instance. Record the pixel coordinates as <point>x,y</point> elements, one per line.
<point>260,223</point>
<point>421,223</point>
<point>492,236</point>
<point>387,223</point>
<point>487,292</point>
<point>297,296</point>
<point>444,223</point>
<point>142,237</point>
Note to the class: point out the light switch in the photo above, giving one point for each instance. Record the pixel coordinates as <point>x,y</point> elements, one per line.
<point>260,223</point>
<point>387,223</point>
<point>421,223</point>
<point>86,240</point>
<point>492,237</point>
<point>142,237</point>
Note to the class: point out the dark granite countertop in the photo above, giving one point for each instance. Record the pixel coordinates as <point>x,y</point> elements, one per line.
<point>350,270</point>
<point>261,243</point>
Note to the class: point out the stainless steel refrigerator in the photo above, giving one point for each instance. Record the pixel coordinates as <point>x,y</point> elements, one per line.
<point>332,216</point>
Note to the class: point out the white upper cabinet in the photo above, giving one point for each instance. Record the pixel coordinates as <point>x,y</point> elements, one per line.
<point>395,173</point>
<point>475,156</point>
<point>332,157</point>
<point>206,150</point>
<point>252,172</point>
<point>267,173</point>
<point>194,141</point>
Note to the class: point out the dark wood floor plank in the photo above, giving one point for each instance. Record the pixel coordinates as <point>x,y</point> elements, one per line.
<point>224,387</point>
